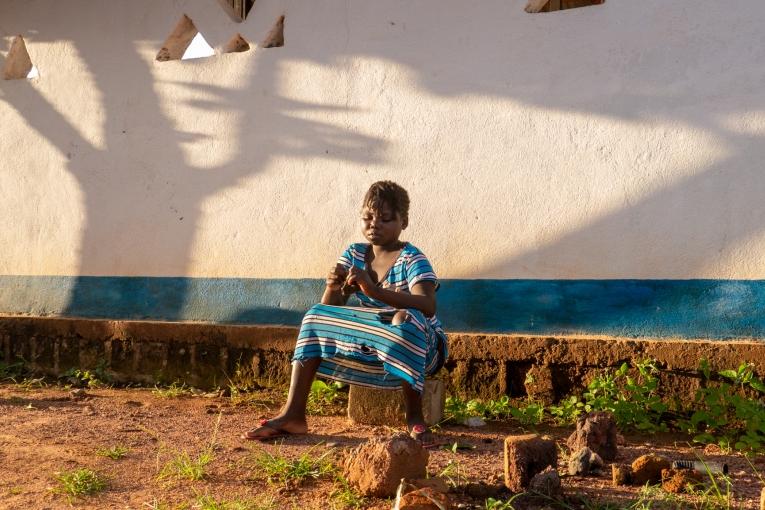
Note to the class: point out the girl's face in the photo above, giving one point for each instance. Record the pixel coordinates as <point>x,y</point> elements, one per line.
<point>382,226</point>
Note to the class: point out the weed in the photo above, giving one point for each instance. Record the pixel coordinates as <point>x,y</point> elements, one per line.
<point>80,482</point>
<point>15,491</point>
<point>92,378</point>
<point>324,398</point>
<point>532,413</point>
<point>458,410</point>
<point>11,371</point>
<point>183,467</point>
<point>173,391</point>
<point>724,415</point>
<point>278,469</point>
<point>114,453</point>
<point>497,504</point>
<point>344,497</point>
<point>207,502</point>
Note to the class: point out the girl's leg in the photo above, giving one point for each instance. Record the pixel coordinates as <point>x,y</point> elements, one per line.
<point>291,419</point>
<point>413,406</point>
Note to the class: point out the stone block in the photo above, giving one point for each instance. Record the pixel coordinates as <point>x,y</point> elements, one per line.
<point>525,456</point>
<point>678,481</point>
<point>369,406</point>
<point>377,466</point>
<point>647,469</point>
<point>539,384</point>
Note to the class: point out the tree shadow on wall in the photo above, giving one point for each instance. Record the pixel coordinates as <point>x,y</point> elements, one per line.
<point>547,61</point>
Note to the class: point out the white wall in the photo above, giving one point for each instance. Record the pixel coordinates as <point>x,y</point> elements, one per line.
<point>618,141</point>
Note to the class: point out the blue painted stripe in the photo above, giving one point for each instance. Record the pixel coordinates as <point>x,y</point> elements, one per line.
<point>716,309</point>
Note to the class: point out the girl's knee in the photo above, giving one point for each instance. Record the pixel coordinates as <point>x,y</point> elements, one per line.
<point>399,318</point>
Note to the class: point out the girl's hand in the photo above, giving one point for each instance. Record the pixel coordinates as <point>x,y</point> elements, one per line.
<point>358,276</point>
<point>336,277</point>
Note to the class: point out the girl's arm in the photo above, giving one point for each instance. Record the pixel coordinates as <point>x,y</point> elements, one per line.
<point>422,297</point>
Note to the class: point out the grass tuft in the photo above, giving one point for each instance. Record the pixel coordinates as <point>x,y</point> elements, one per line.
<point>175,390</point>
<point>115,452</point>
<point>183,467</point>
<point>80,482</point>
<point>278,469</point>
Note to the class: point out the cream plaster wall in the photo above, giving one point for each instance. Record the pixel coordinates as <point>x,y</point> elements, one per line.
<point>619,141</point>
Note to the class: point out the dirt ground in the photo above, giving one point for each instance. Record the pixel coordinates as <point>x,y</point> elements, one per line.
<point>44,431</point>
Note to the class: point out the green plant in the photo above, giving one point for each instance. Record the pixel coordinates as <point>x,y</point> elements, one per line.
<point>531,413</point>
<point>174,390</point>
<point>11,371</point>
<point>498,504</point>
<point>80,482</point>
<point>634,402</point>
<point>184,466</point>
<point>724,414</point>
<point>278,469</point>
<point>343,496</point>
<point>114,453</point>
<point>207,502</point>
<point>325,398</point>
<point>92,378</point>
<point>458,410</point>
<point>567,410</point>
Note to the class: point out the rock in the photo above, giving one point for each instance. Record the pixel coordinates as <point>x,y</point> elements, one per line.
<point>596,431</point>
<point>77,394</point>
<point>762,499</point>
<point>411,497</point>
<point>377,466</point>
<point>539,384</point>
<point>437,484</point>
<point>482,490</point>
<point>621,474</point>
<point>369,406</point>
<point>474,421</point>
<point>579,463</point>
<point>679,480</point>
<point>526,456</point>
<point>88,411</point>
<point>546,482</point>
<point>620,440</point>
<point>596,462</point>
<point>647,469</point>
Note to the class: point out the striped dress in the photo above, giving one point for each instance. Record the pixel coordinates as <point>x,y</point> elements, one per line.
<point>359,345</point>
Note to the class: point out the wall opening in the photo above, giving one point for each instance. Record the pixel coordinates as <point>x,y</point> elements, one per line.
<point>275,37</point>
<point>18,64</point>
<point>237,9</point>
<point>237,44</point>
<point>184,43</point>
<point>558,5</point>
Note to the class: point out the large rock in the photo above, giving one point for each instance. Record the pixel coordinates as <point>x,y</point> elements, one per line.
<point>525,456</point>
<point>368,406</point>
<point>377,466</point>
<point>647,469</point>
<point>596,431</point>
<point>621,474</point>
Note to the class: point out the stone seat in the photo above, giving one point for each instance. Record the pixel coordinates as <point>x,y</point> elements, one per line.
<point>368,406</point>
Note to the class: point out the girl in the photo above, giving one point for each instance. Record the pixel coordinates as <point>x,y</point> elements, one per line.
<point>393,341</point>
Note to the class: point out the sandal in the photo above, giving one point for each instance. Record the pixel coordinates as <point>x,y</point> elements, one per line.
<point>426,438</point>
<point>271,432</point>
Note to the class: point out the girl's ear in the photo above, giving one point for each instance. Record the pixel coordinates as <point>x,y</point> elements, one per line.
<point>404,223</point>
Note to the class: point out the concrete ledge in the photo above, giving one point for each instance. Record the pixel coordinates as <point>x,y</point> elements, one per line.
<point>208,355</point>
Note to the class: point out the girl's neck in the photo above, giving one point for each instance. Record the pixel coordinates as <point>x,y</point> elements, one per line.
<point>387,248</point>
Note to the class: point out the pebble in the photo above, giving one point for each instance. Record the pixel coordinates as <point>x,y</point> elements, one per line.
<point>474,421</point>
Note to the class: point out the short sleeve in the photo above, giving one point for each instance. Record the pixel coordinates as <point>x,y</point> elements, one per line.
<point>418,269</point>
<point>350,257</point>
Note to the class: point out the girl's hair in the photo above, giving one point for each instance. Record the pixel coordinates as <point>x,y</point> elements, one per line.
<point>388,192</point>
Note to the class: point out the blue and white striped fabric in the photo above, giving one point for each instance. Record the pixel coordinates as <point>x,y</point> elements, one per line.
<point>359,345</point>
